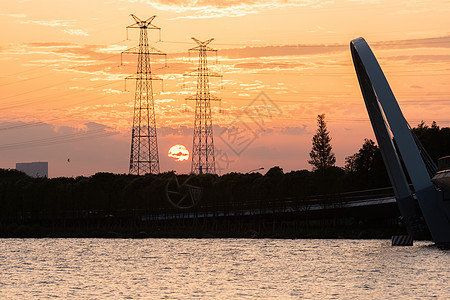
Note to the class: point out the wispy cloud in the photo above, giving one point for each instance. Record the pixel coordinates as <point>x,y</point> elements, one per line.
<point>66,25</point>
<point>269,65</point>
<point>285,50</point>
<point>422,59</point>
<point>16,16</point>
<point>49,23</point>
<point>79,32</point>
<point>67,55</point>
<point>432,42</point>
<point>293,130</point>
<point>197,9</point>
<point>302,49</point>
<point>100,58</point>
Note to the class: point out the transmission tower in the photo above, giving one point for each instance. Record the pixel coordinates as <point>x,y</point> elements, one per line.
<point>203,160</point>
<point>144,156</point>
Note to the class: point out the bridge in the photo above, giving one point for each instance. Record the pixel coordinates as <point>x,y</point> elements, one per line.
<point>319,205</point>
<point>398,144</point>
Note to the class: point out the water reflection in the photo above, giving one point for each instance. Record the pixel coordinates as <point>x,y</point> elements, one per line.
<point>220,268</point>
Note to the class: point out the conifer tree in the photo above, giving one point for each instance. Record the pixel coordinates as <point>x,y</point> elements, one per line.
<point>321,155</point>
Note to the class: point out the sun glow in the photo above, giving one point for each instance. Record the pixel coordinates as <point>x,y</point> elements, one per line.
<point>179,152</point>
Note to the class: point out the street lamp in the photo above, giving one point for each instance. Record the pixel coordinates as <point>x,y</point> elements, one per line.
<point>258,169</point>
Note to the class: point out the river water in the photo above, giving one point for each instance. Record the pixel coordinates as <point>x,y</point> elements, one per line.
<point>221,268</point>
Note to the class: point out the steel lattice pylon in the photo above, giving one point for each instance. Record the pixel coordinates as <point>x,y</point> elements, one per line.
<point>144,156</point>
<point>203,160</point>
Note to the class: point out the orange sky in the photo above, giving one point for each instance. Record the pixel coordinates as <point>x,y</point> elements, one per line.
<point>62,88</point>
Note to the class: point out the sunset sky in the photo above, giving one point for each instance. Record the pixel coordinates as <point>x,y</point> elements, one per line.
<point>63,92</point>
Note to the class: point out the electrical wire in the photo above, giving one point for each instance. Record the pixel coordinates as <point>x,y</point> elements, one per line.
<point>98,134</point>
<point>46,66</point>
<point>64,94</point>
<point>68,138</point>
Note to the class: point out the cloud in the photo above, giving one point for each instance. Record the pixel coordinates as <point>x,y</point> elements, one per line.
<point>164,100</point>
<point>97,126</point>
<point>286,50</point>
<point>50,44</point>
<point>270,65</point>
<point>433,58</point>
<point>177,131</point>
<point>40,134</point>
<point>67,25</point>
<point>16,16</point>
<point>294,130</point>
<point>217,129</point>
<point>197,9</point>
<point>432,42</point>
<point>78,32</point>
<point>89,59</point>
<point>69,49</point>
<point>302,49</point>
<point>112,91</point>
<point>227,3</point>
<point>49,23</point>
<point>85,59</point>
<point>95,56</point>
<point>91,148</point>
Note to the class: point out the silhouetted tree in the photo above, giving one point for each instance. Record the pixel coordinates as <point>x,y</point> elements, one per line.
<point>275,171</point>
<point>364,159</point>
<point>366,167</point>
<point>321,155</point>
<point>434,139</point>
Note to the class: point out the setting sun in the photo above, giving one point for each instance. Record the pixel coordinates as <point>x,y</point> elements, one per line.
<point>179,152</point>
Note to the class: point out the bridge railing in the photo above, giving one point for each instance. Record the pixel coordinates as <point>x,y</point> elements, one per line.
<point>214,209</point>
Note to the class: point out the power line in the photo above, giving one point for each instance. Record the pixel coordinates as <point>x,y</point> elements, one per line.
<point>68,138</point>
<point>64,94</point>
<point>41,123</point>
<point>27,79</point>
<point>47,87</point>
<point>46,66</point>
<point>17,126</point>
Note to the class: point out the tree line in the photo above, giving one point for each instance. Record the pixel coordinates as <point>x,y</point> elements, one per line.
<point>22,196</point>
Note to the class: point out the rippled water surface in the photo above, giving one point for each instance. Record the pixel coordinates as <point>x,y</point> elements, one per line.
<point>221,268</point>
